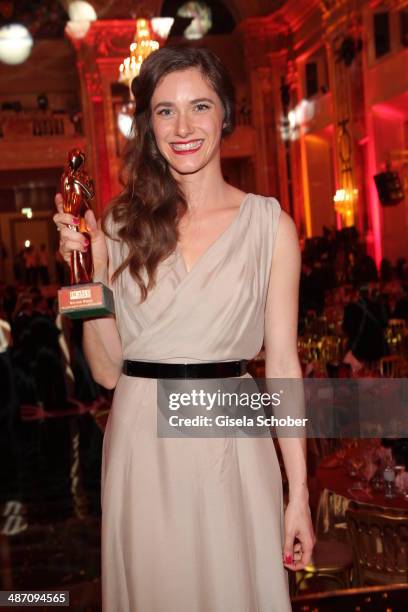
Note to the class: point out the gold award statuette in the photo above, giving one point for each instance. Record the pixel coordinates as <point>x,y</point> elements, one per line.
<point>83,298</point>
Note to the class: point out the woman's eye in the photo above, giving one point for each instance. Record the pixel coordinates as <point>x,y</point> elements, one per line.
<point>201,106</point>
<point>164,112</point>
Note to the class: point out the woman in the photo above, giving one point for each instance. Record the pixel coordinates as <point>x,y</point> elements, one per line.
<point>192,525</point>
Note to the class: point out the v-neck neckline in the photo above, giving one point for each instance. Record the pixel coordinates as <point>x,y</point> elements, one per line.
<point>215,242</point>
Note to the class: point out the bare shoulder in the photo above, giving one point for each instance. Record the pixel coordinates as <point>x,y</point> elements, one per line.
<point>287,226</point>
<point>287,247</point>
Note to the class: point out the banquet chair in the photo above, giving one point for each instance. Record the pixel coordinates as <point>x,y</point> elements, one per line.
<point>392,598</point>
<point>331,563</point>
<point>391,366</point>
<point>398,325</point>
<point>396,334</point>
<point>379,539</point>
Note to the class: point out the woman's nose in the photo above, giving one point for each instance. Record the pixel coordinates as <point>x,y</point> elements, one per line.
<point>183,126</point>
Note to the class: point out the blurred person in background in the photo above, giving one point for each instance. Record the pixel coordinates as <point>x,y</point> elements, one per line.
<point>43,265</point>
<point>364,324</point>
<point>11,521</point>
<point>401,306</point>
<point>30,260</point>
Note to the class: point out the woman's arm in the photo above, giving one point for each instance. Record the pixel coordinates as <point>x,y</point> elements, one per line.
<point>101,340</point>
<point>103,350</point>
<point>282,361</point>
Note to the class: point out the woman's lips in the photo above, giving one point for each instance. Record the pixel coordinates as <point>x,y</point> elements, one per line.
<point>185,148</point>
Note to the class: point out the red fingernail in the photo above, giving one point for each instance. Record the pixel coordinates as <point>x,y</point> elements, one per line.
<point>75,220</point>
<point>288,558</point>
<point>86,242</point>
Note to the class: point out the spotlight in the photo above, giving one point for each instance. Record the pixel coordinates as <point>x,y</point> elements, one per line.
<point>80,16</point>
<point>81,11</point>
<point>15,44</point>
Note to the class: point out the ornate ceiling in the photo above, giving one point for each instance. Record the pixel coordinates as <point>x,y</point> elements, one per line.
<point>123,9</point>
<point>47,18</point>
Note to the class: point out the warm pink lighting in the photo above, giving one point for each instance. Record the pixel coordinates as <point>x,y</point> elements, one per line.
<point>375,215</point>
<point>339,223</point>
<point>373,202</point>
<point>388,112</point>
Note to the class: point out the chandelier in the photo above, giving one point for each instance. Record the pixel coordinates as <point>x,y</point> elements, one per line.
<point>344,204</point>
<point>150,33</point>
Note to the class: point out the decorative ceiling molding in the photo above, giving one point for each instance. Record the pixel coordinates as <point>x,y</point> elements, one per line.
<point>272,36</point>
<point>395,5</point>
<point>340,16</point>
<point>108,38</point>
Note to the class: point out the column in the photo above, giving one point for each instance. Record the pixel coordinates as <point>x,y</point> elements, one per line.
<point>260,37</point>
<point>99,54</point>
<point>342,24</point>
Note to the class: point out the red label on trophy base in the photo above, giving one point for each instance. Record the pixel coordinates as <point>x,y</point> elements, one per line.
<point>87,300</point>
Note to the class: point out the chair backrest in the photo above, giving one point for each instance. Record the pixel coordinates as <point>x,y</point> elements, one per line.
<point>379,539</point>
<point>396,335</point>
<point>397,324</point>
<point>391,366</point>
<point>391,597</point>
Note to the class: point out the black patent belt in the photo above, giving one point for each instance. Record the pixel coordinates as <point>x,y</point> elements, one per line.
<point>220,369</point>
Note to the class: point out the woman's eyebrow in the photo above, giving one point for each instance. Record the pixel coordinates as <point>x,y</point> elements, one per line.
<point>198,100</point>
<point>170,104</point>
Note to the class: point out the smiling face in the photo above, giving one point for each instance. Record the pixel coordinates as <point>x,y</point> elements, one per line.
<point>187,121</point>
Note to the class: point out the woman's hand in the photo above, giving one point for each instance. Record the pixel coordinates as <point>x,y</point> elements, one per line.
<point>73,240</point>
<point>298,526</point>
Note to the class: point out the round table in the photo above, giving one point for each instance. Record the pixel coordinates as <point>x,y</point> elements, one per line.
<point>336,489</point>
<point>336,479</point>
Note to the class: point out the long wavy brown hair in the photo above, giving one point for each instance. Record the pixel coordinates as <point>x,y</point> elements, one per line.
<point>147,212</point>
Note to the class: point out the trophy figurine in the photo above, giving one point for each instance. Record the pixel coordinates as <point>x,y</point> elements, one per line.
<point>83,298</point>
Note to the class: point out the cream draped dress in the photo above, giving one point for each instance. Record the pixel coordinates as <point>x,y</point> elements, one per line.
<point>193,524</point>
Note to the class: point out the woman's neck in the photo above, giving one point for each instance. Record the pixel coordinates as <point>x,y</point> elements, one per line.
<point>204,189</point>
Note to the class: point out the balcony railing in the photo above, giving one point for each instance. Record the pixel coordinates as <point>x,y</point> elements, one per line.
<point>25,125</point>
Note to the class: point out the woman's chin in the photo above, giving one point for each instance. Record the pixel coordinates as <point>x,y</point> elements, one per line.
<point>186,168</point>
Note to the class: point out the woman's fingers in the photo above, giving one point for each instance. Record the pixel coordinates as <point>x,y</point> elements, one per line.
<point>61,218</point>
<point>297,551</point>
<point>298,554</point>
<point>73,237</point>
<point>307,550</point>
<point>288,548</point>
<point>70,241</point>
<point>71,245</point>
<point>302,554</point>
<point>91,223</point>
<point>59,202</point>
<point>77,239</point>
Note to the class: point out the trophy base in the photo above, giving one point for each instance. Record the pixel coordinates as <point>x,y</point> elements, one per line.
<point>87,300</point>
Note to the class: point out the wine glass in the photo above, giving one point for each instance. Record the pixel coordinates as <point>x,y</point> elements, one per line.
<point>389,477</point>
